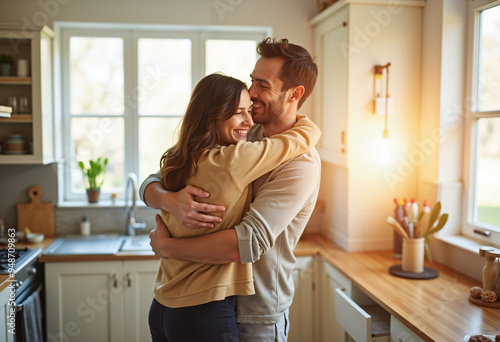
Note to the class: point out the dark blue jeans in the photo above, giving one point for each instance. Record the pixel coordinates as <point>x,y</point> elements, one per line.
<point>214,321</point>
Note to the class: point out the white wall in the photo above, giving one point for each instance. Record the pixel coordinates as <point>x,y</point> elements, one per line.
<point>287,18</point>
<point>443,80</point>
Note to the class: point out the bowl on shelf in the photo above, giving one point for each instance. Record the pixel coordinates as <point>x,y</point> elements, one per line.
<point>34,237</point>
<point>16,144</point>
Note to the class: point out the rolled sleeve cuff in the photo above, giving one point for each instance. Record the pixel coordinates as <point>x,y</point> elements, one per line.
<point>151,179</point>
<point>244,235</point>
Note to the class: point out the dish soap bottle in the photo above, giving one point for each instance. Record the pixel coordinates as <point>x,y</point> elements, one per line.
<point>489,271</point>
<point>85,226</point>
<point>397,244</point>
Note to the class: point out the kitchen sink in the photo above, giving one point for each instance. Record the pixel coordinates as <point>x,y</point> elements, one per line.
<point>135,243</point>
<point>98,244</point>
<point>85,245</point>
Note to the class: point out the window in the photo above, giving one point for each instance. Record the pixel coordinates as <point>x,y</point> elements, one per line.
<point>483,202</point>
<point>124,90</point>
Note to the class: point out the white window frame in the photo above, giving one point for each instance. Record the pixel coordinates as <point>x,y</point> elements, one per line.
<point>130,33</point>
<point>473,230</point>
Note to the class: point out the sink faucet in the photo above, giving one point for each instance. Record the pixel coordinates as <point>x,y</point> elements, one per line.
<point>132,224</point>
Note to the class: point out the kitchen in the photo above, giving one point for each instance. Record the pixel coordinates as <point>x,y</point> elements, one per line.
<point>428,78</point>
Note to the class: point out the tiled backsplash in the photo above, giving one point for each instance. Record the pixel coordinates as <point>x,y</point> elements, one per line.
<point>102,220</point>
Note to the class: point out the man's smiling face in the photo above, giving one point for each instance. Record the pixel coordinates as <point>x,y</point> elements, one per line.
<point>266,92</point>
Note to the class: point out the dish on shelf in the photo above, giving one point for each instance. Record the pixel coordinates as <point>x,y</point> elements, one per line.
<point>479,301</point>
<point>467,337</point>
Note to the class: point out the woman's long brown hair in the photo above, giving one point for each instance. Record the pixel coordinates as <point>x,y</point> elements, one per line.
<point>215,97</point>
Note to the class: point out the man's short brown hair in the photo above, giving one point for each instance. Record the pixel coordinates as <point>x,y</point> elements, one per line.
<point>298,67</point>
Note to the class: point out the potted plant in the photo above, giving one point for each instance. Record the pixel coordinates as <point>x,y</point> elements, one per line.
<point>6,62</point>
<point>420,225</point>
<point>94,174</point>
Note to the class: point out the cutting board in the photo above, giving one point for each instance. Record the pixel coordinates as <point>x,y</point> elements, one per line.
<point>36,215</point>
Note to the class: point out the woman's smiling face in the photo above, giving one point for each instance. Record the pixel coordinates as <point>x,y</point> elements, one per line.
<point>236,127</point>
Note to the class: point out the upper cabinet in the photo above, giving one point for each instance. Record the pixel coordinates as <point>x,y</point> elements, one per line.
<point>27,137</point>
<point>350,38</point>
<point>330,46</point>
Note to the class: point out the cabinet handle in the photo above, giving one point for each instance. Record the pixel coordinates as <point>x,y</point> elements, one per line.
<point>114,277</point>
<point>129,280</point>
<point>342,138</point>
<point>486,233</point>
<point>344,23</point>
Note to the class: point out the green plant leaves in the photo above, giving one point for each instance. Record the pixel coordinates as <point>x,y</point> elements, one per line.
<point>96,168</point>
<point>434,216</point>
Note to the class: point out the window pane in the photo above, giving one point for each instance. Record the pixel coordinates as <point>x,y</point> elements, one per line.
<point>234,58</point>
<point>93,138</point>
<point>489,60</point>
<point>487,199</point>
<point>164,76</point>
<point>96,74</point>
<point>156,135</point>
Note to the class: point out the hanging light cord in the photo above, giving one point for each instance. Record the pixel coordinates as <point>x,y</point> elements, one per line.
<point>386,131</point>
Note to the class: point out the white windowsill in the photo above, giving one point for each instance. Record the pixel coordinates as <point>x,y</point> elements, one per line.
<point>462,242</point>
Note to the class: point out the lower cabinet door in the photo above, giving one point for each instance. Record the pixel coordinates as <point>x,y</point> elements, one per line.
<point>99,301</point>
<point>139,277</point>
<point>401,333</point>
<point>84,301</point>
<point>301,310</point>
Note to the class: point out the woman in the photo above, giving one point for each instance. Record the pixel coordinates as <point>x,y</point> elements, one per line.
<point>194,301</point>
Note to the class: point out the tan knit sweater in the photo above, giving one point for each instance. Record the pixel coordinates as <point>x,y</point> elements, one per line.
<point>226,172</point>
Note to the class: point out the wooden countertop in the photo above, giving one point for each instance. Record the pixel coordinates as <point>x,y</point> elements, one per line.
<point>435,309</point>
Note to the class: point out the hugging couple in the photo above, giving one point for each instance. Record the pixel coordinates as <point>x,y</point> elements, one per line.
<point>236,198</point>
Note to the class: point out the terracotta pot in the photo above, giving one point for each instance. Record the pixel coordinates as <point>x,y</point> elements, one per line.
<point>93,195</point>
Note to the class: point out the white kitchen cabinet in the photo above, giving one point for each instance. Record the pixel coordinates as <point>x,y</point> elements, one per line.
<point>346,313</point>
<point>330,96</point>
<point>99,301</point>
<point>36,124</point>
<point>302,309</point>
<point>331,279</point>
<point>401,333</point>
<point>350,38</point>
<point>5,335</point>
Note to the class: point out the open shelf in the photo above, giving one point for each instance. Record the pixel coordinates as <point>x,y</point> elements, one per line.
<point>18,118</point>
<point>15,80</point>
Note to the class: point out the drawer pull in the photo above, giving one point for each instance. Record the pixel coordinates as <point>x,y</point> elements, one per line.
<point>114,277</point>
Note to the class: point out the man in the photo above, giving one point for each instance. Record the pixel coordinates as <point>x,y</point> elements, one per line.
<point>283,78</point>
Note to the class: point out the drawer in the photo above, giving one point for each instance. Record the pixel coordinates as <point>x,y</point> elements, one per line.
<point>367,322</point>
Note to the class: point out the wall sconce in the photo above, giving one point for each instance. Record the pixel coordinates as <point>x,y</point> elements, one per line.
<point>383,105</point>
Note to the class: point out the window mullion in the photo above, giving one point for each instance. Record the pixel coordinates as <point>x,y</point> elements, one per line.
<point>198,57</point>
<point>131,108</point>
<point>486,114</point>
